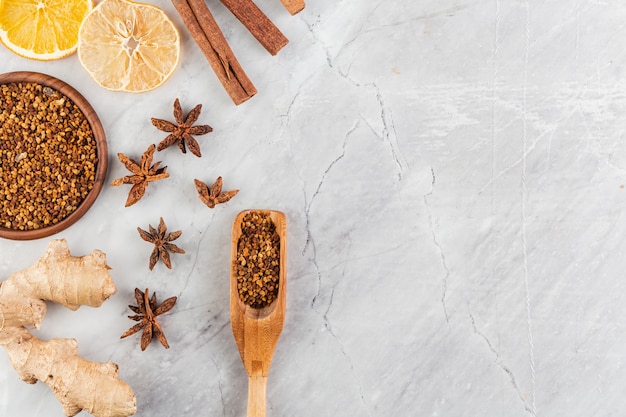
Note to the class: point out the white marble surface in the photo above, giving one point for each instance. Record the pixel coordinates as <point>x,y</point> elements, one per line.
<point>453,178</point>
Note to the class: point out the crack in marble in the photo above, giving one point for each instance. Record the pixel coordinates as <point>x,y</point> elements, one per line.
<point>345,354</point>
<point>294,99</point>
<point>221,328</point>
<point>385,134</point>
<point>292,103</point>
<point>310,241</point>
<point>219,384</point>
<point>209,339</point>
<point>213,318</point>
<point>412,387</point>
<point>319,282</point>
<point>334,287</point>
<point>325,49</point>
<point>387,120</point>
<point>328,326</point>
<point>320,184</point>
<point>388,128</point>
<point>439,247</point>
<point>501,365</point>
<point>326,321</point>
<point>203,234</point>
<point>330,304</point>
<point>449,12</point>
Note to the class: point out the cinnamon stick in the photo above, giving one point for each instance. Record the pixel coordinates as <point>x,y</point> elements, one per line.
<point>206,33</point>
<point>293,6</point>
<point>261,27</point>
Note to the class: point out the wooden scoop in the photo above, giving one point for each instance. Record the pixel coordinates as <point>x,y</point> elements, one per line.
<point>257,330</point>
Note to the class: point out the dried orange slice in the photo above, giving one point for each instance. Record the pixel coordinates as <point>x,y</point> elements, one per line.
<point>128,46</point>
<point>42,29</point>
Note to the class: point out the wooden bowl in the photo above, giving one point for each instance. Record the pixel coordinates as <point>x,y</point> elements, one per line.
<point>101,153</point>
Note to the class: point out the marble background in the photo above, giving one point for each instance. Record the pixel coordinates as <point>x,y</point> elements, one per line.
<point>452,174</point>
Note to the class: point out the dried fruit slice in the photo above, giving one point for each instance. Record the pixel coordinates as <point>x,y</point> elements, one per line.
<point>42,29</point>
<point>128,46</point>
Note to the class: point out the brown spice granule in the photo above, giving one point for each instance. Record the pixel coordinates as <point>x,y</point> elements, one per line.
<point>258,260</point>
<point>48,156</point>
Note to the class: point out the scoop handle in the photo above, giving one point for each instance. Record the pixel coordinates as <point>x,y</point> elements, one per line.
<point>256,395</point>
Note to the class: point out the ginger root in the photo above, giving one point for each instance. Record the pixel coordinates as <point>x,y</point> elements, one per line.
<point>71,281</point>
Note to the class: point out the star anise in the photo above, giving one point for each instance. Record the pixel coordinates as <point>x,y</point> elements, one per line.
<point>183,131</point>
<point>213,195</point>
<point>146,313</point>
<point>162,243</point>
<point>143,172</point>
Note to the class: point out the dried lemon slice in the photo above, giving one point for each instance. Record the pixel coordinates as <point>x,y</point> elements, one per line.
<point>42,29</point>
<point>128,46</point>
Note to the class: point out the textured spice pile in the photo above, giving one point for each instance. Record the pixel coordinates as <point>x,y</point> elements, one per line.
<point>258,260</point>
<point>47,156</point>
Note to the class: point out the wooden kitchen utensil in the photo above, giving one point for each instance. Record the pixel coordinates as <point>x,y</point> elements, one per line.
<point>257,330</point>
<point>57,85</point>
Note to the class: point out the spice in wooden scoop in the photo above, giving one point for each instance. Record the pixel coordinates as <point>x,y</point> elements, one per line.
<point>258,260</point>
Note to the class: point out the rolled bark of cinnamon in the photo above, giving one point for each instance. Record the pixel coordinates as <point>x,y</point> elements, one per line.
<point>209,37</point>
<point>259,25</point>
<point>293,6</point>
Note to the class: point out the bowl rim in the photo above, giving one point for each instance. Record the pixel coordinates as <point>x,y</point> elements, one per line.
<point>101,152</point>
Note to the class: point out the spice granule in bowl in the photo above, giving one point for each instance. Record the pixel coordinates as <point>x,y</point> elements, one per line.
<point>53,155</point>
